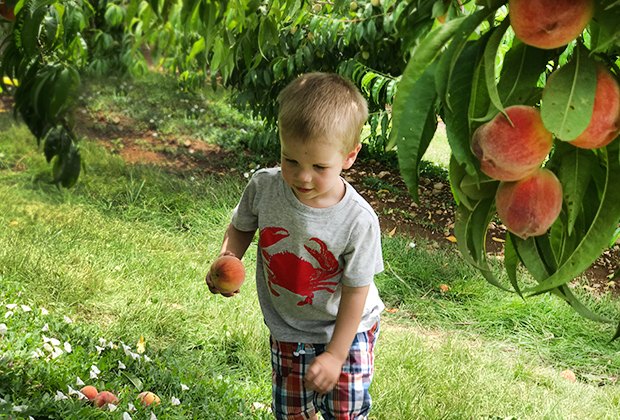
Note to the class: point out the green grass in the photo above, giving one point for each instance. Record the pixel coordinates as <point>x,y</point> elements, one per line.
<point>124,254</point>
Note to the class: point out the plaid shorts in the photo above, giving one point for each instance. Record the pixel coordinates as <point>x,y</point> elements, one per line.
<point>349,399</point>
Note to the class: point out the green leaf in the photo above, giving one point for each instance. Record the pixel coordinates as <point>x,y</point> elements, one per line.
<point>568,97</point>
<point>597,236</point>
<point>455,117</point>
<point>511,261</point>
<point>198,47</point>
<point>136,382</point>
<point>422,57</point>
<point>413,135</point>
<point>71,167</point>
<point>521,70</point>
<point>31,28</point>
<point>65,85</point>
<point>478,187</point>
<point>480,108</point>
<point>490,54</point>
<point>574,174</point>
<point>530,256</point>
<point>449,58</point>
<point>470,229</point>
<point>457,173</point>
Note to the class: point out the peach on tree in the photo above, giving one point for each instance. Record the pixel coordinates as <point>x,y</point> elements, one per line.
<point>510,150</point>
<point>604,124</point>
<point>529,207</point>
<point>549,24</point>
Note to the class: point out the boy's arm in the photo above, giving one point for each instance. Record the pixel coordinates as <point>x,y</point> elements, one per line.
<point>324,371</point>
<point>235,242</point>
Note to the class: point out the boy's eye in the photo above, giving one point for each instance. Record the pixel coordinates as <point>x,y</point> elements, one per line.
<point>291,161</point>
<point>319,168</point>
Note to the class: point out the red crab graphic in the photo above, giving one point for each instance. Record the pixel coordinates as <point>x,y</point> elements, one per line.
<point>295,274</point>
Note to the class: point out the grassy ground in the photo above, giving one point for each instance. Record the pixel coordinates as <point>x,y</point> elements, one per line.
<point>124,253</point>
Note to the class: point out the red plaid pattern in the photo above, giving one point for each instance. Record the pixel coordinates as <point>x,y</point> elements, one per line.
<point>350,398</point>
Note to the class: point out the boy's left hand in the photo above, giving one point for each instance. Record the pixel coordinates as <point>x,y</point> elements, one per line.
<point>323,373</point>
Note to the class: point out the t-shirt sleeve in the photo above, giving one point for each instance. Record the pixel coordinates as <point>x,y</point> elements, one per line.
<point>363,258</point>
<point>245,214</point>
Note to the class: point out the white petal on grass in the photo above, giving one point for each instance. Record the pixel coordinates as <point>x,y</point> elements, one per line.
<point>93,375</point>
<point>2,401</point>
<point>26,308</point>
<point>67,347</point>
<point>55,342</point>
<point>35,354</point>
<point>3,329</point>
<point>99,349</point>
<point>45,328</point>
<point>153,416</point>
<point>44,311</point>
<point>60,396</point>
<point>8,314</point>
<point>79,381</point>
<point>112,407</point>
<point>121,365</point>
<point>48,347</point>
<point>175,401</point>
<point>20,408</point>
<point>71,391</point>
<point>56,353</point>
<point>184,387</point>
<point>45,338</point>
<point>102,341</point>
<point>134,356</point>
<point>11,306</point>
<point>131,407</point>
<point>146,358</point>
<point>95,369</point>
<point>67,319</point>
<point>126,416</point>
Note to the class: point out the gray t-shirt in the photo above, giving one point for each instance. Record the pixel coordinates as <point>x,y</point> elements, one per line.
<point>305,254</point>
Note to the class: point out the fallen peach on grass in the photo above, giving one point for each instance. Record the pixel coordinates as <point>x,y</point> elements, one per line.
<point>105,397</point>
<point>89,392</point>
<point>147,398</point>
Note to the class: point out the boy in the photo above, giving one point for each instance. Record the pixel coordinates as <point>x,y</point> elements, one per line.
<point>318,252</point>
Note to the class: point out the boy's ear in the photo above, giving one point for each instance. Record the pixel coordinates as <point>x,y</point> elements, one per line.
<point>351,156</point>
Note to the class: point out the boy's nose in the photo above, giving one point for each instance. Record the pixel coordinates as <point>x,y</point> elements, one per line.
<point>304,175</point>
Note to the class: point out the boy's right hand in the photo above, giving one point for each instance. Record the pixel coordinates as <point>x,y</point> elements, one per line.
<point>212,287</point>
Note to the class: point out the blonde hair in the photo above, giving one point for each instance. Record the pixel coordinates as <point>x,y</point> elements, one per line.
<point>322,106</point>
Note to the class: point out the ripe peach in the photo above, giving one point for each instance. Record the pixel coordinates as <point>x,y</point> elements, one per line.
<point>147,398</point>
<point>605,121</point>
<point>89,392</point>
<point>549,24</point>
<point>511,152</point>
<point>105,397</point>
<point>227,273</point>
<point>530,206</point>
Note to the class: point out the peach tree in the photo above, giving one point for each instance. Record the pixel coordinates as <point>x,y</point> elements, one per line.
<point>528,91</point>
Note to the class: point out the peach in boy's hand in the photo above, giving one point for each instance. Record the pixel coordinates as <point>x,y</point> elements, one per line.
<point>226,275</point>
